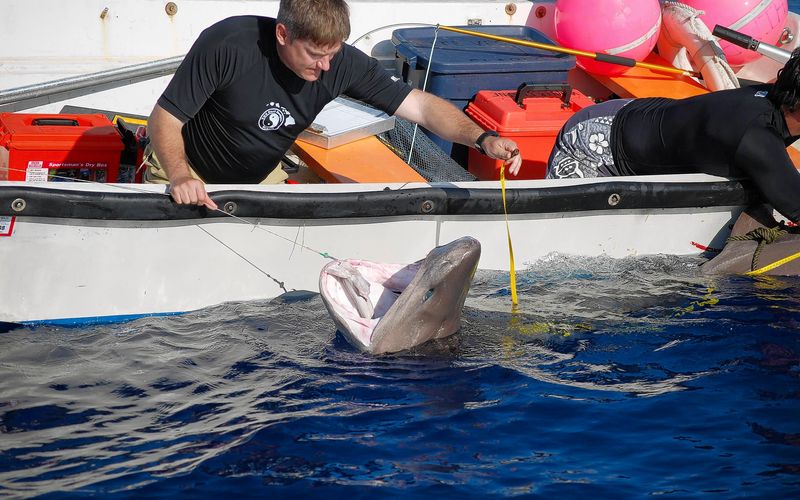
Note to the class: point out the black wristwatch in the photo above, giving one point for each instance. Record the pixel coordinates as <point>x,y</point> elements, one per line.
<point>481,138</point>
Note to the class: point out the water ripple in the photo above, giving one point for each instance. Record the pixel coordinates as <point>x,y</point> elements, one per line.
<point>629,377</point>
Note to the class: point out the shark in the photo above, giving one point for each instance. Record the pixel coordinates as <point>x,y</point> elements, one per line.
<point>779,254</point>
<point>386,308</point>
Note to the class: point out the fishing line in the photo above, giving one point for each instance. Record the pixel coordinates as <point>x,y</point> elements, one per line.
<point>257,226</point>
<point>279,283</point>
<point>424,86</point>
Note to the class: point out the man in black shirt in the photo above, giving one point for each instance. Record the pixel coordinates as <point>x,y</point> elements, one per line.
<point>731,133</point>
<point>250,85</point>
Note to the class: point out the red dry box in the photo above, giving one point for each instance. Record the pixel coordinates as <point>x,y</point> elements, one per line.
<point>532,116</point>
<point>36,147</point>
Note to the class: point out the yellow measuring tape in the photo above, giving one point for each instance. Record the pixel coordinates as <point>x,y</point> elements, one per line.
<point>512,273</point>
<point>514,300</point>
<point>769,267</point>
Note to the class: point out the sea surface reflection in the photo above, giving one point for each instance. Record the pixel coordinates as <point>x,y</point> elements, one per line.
<point>630,377</point>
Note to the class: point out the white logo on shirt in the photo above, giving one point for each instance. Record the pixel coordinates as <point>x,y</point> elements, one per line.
<point>275,117</point>
<point>761,93</point>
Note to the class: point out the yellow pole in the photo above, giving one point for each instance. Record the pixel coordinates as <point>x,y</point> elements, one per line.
<point>624,61</point>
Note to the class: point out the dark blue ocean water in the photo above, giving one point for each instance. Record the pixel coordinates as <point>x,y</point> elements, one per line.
<point>624,378</point>
<point>615,378</point>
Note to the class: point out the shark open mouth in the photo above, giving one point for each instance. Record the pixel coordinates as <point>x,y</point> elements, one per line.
<point>382,308</point>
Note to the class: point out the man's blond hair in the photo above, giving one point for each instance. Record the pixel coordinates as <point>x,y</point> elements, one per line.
<point>324,22</point>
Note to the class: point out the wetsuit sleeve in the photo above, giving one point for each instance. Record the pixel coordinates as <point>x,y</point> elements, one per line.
<point>206,67</point>
<point>762,156</point>
<point>367,81</point>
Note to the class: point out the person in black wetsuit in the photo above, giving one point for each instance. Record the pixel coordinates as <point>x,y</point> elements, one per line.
<point>732,133</point>
<point>250,85</point>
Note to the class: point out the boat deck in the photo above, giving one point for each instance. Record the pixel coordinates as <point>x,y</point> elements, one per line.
<point>644,82</point>
<point>365,160</point>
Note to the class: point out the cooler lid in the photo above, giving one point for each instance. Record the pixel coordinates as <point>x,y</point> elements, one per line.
<point>459,53</point>
<point>58,132</point>
<point>546,113</point>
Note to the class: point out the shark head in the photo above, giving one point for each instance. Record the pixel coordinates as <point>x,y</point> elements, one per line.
<point>408,305</point>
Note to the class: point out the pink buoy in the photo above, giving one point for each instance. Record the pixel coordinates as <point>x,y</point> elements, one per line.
<point>626,28</point>
<point>763,20</point>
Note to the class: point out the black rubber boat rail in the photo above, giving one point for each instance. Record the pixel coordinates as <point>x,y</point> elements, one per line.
<point>30,201</point>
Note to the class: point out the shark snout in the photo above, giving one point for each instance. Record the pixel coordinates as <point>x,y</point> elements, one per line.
<point>463,252</point>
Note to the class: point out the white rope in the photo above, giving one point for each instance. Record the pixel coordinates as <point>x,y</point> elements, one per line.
<point>424,86</point>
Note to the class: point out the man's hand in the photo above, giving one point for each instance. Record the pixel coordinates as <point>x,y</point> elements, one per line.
<point>187,190</point>
<point>501,148</point>
<point>167,141</point>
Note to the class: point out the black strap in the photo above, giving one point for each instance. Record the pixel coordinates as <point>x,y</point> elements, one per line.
<point>482,137</point>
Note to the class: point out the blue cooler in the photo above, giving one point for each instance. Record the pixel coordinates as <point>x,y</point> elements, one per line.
<point>464,64</point>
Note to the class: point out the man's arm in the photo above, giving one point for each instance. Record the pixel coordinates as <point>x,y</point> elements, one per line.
<point>448,122</point>
<point>762,156</point>
<point>164,131</point>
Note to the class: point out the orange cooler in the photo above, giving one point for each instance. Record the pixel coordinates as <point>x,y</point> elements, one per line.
<point>35,147</point>
<point>532,116</point>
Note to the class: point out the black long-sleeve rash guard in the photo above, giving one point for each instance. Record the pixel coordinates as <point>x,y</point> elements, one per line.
<point>729,133</point>
<point>242,108</point>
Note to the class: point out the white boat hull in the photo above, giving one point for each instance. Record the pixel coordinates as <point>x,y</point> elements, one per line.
<point>79,270</point>
<point>89,263</point>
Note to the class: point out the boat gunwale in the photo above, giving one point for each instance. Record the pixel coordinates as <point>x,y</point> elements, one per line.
<point>432,200</point>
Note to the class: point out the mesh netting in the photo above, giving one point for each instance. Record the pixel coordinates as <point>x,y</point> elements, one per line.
<point>427,159</point>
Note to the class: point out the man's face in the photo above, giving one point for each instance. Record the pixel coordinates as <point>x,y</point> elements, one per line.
<point>304,57</point>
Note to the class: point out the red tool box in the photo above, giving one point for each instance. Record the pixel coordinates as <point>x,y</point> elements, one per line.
<point>532,116</point>
<point>41,147</point>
